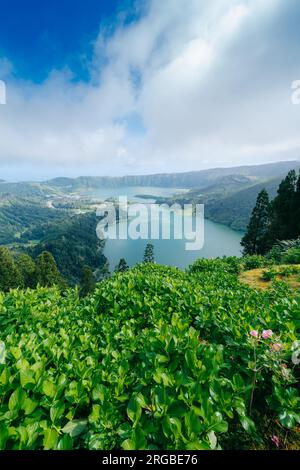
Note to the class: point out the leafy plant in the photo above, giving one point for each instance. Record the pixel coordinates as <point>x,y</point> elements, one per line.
<point>291,256</point>
<point>155,358</point>
<point>269,275</point>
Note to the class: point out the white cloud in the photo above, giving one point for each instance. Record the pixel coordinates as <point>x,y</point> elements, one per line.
<point>204,77</point>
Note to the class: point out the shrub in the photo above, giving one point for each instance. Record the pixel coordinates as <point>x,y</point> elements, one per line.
<point>230,265</point>
<point>275,254</point>
<point>291,256</point>
<point>254,262</point>
<point>287,271</point>
<point>268,275</point>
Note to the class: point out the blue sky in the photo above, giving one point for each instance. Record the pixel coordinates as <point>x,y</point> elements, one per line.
<point>145,86</point>
<point>39,36</point>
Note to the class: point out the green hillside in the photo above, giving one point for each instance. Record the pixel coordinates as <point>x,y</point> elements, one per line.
<point>155,359</point>
<point>26,189</point>
<point>235,209</point>
<point>17,215</point>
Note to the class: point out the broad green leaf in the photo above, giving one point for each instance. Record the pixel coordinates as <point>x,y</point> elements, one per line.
<point>2,352</point>
<point>4,376</point>
<point>197,445</point>
<point>192,423</point>
<point>65,443</point>
<point>16,400</point>
<point>128,444</point>
<point>56,411</point>
<point>98,393</point>
<point>29,406</point>
<point>26,377</point>
<point>76,427</point>
<point>212,439</point>
<point>138,438</point>
<point>287,419</point>
<point>49,388</point>
<point>50,439</point>
<point>247,424</point>
<point>3,435</point>
<point>134,410</point>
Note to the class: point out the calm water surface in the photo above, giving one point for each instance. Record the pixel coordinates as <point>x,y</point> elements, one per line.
<point>219,240</point>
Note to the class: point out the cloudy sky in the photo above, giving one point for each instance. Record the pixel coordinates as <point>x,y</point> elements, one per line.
<point>146,86</point>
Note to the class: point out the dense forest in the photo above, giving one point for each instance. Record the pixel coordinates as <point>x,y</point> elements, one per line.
<point>18,215</point>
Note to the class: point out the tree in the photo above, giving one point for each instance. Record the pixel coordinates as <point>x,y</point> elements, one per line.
<point>87,281</point>
<point>10,276</point>
<point>149,253</point>
<point>256,240</point>
<point>102,272</point>
<point>295,216</point>
<point>46,272</point>
<point>122,266</point>
<point>282,209</point>
<point>26,267</point>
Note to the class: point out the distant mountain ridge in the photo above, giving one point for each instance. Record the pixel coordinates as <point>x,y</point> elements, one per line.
<point>189,180</point>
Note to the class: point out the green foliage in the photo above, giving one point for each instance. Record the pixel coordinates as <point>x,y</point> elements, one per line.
<point>26,267</point>
<point>155,359</point>
<point>10,275</point>
<point>229,264</point>
<point>122,266</point>
<point>256,239</point>
<point>286,209</point>
<point>73,244</point>
<point>149,253</point>
<point>22,271</point>
<point>254,262</point>
<point>275,254</point>
<point>269,275</point>
<point>272,222</point>
<point>87,281</point>
<point>291,256</point>
<point>287,271</point>
<point>18,217</point>
<point>46,272</point>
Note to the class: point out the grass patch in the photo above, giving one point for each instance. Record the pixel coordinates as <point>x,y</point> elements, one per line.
<point>262,278</point>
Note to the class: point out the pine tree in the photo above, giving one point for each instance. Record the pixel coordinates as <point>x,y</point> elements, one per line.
<point>26,267</point>
<point>295,215</point>
<point>46,272</point>
<point>10,276</point>
<point>256,239</point>
<point>87,281</point>
<point>149,253</point>
<point>282,212</point>
<point>122,266</point>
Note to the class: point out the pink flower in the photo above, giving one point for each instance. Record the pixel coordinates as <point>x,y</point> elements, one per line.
<point>276,347</point>
<point>275,440</point>
<point>266,334</point>
<point>254,333</point>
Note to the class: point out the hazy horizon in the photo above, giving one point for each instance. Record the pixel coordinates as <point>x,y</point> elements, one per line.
<point>41,180</point>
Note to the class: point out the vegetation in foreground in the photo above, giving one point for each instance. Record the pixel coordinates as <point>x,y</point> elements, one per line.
<point>263,278</point>
<point>155,358</point>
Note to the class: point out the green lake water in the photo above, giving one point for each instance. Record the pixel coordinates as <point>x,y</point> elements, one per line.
<point>219,240</point>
